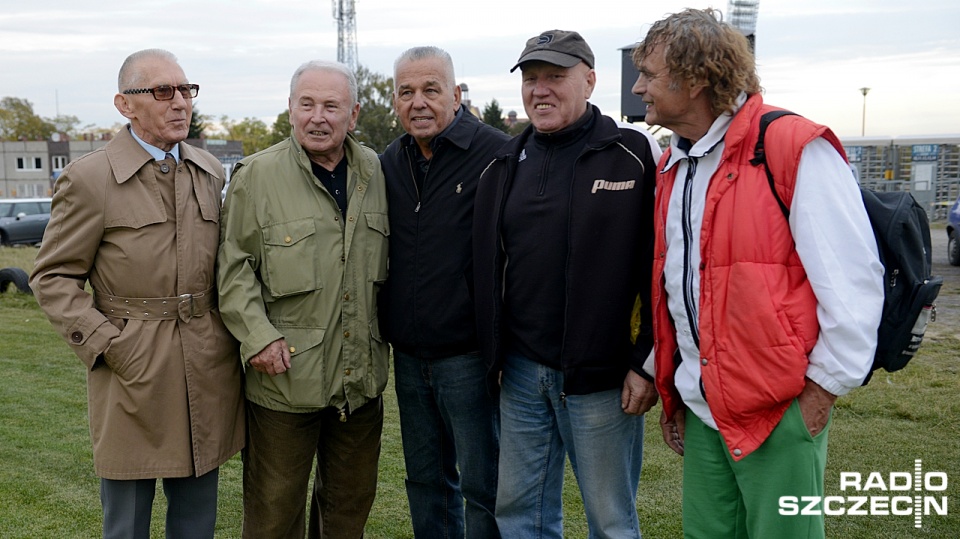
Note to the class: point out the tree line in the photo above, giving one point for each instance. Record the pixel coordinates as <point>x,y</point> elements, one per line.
<point>376,127</point>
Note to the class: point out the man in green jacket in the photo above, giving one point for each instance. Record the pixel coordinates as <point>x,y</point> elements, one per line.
<point>303,252</point>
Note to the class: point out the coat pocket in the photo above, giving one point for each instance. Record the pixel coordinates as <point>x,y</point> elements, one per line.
<point>290,258</point>
<point>377,247</point>
<point>305,384</point>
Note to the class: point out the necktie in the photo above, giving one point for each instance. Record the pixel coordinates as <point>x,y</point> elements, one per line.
<point>169,156</point>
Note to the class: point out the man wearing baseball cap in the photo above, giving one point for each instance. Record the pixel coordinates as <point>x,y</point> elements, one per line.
<point>569,203</point>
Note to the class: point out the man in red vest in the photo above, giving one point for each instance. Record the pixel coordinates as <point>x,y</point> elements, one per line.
<point>760,322</point>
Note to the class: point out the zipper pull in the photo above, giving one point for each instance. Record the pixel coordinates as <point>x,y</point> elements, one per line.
<point>417,209</point>
<point>563,399</point>
<point>343,416</point>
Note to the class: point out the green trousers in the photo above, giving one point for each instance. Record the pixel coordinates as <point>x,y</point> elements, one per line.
<point>739,500</point>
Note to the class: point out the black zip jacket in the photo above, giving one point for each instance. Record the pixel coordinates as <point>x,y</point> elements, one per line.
<point>608,260</point>
<point>426,307</point>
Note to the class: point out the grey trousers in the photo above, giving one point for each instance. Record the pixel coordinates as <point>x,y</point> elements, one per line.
<point>191,506</point>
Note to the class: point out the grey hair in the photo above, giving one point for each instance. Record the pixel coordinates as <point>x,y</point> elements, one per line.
<point>333,67</point>
<point>130,76</point>
<point>426,53</point>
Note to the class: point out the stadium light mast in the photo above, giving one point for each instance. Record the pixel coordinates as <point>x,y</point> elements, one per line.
<point>743,16</point>
<point>345,13</point>
<point>863,120</point>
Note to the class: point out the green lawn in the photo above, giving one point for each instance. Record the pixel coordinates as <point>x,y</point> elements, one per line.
<point>48,488</point>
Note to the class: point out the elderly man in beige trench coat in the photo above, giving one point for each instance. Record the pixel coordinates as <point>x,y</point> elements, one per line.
<point>139,220</point>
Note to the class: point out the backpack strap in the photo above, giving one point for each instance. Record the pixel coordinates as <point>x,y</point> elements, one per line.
<point>760,156</point>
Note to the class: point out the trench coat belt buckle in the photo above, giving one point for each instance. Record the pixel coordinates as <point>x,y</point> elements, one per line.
<point>184,306</point>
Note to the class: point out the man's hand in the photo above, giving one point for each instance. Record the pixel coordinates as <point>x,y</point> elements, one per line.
<point>272,360</point>
<point>638,394</point>
<point>815,404</point>
<point>673,430</point>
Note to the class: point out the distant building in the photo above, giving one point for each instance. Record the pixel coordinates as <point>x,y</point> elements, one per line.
<point>927,165</point>
<point>29,168</point>
<point>465,101</point>
<point>514,123</point>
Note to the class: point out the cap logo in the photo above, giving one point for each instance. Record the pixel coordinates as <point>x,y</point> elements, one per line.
<point>544,39</point>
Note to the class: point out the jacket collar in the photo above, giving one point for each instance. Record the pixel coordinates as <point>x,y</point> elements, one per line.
<point>358,161</point>
<point>126,156</point>
<point>460,133</point>
<point>605,131</point>
<point>680,148</point>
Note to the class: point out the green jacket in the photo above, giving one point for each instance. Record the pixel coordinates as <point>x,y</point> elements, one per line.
<point>290,267</point>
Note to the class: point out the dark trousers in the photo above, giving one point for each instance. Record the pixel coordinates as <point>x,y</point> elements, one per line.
<point>191,506</point>
<point>276,471</point>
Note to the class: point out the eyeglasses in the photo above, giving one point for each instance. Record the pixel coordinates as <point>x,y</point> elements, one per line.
<point>165,92</point>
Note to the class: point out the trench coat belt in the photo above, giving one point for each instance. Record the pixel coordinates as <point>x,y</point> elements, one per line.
<point>184,306</point>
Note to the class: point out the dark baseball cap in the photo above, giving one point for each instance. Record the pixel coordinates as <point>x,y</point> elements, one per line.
<point>558,47</point>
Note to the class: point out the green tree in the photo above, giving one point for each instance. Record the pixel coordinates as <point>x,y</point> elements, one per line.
<point>17,120</point>
<point>493,116</point>
<point>281,127</point>
<point>253,133</point>
<point>377,125</point>
<point>65,124</point>
<point>197,124</point>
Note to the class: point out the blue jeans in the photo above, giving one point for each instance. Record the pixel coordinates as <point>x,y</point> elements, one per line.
<point>448,420</point>
<point>539,426</point>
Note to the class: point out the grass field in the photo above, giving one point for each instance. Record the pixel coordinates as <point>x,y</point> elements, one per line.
<point>48,488</point>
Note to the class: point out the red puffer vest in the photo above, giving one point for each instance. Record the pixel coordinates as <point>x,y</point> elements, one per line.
<point>758,317</point>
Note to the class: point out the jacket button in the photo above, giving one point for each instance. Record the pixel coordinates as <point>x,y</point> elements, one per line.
<point>293,349</point>
<point>737,452</point>
<point>346,334</point>
<point>164,168</point>
<point>703,361</point>
<point>76,336</point>
<point>287,239</point>
<point>347,372</point>
<point>346,297</point>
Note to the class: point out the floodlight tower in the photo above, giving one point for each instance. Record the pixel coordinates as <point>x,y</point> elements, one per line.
<point>345,13</point>
<point>743,17</point>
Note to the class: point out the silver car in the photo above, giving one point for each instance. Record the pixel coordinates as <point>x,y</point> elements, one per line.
<point>23,220</point>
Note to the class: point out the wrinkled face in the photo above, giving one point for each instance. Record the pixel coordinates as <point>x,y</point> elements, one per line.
<point>321,113</point>
<point>159,123</point>
<point>426,97</point>
<point>553,96</point>
<point>666,103</point>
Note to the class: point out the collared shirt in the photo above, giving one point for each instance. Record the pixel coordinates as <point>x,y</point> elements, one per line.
<point>843,268</point>
<point>155,152</point>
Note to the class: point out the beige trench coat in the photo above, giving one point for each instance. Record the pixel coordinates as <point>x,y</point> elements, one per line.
<point>164,386</point>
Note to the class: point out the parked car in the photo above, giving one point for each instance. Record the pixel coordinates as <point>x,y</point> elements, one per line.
<point>953,233</point>
<point>23,220</point>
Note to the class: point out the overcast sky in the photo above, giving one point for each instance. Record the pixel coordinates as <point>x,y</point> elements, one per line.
<point>813,55</point>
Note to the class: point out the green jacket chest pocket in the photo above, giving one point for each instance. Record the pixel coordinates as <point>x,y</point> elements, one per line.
<point>290,258</point>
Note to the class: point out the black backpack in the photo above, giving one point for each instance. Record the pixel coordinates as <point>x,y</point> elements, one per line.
<point>903,240</point>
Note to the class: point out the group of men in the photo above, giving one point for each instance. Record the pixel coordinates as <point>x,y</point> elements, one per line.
<point>532,290</point>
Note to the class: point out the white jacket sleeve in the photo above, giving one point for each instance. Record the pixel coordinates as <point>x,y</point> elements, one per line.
<point>838,250</point>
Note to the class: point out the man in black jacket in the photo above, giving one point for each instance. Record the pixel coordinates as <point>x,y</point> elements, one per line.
<point>563,246</point>
<point>448,419</point>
